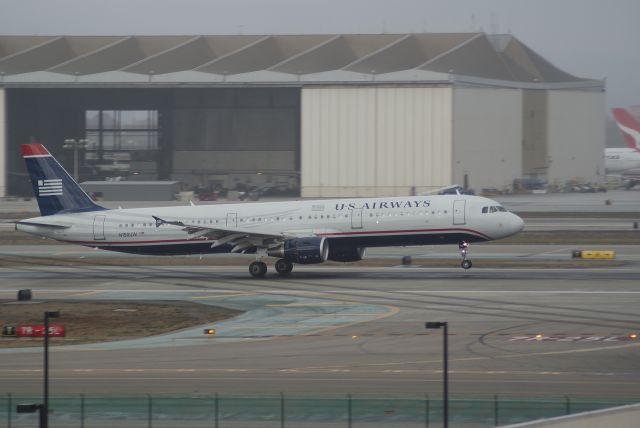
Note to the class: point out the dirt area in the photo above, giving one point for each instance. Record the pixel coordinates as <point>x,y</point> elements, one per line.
<point>87,322</point>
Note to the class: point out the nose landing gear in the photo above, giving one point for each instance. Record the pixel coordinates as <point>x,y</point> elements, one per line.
<point>466,263</point>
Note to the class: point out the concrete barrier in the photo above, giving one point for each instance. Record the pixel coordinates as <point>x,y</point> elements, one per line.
<point>618,417</point>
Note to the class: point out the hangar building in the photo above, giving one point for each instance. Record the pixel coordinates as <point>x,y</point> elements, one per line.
<point>326,115</point>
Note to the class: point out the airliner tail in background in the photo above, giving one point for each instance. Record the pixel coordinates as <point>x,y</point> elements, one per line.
<point>625,161</point>
<point>629,127</point>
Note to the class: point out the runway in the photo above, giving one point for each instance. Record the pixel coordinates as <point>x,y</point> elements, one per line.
<point>512,331</point>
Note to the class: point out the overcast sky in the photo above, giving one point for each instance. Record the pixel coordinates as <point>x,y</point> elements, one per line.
<point>589,38</point>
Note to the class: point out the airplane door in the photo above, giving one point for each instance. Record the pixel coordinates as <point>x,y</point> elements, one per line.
<point>232,220</point>
<point>98,227</point>
<point>459,211</point>
<point>356,218</point>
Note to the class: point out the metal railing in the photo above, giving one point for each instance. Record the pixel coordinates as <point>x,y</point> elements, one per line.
<point>289,410</point>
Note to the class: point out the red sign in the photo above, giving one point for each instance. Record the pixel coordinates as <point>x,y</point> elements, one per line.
<point>37,330</point>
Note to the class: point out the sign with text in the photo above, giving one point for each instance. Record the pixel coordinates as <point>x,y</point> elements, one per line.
<point>37,330</point>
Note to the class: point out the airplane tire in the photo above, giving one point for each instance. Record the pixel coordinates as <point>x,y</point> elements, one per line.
<point>466,264</point>
<point>258,269</point>
<point>284,266</point>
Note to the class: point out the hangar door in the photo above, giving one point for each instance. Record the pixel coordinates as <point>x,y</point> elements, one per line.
<point>250,131</point>
<point>375,141</point>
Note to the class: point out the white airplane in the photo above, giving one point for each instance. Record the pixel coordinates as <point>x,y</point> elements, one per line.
<point>622,159</point>
<point>303,232</point>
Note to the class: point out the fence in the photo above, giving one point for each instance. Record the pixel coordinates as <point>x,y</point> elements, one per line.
<point>284,411</point>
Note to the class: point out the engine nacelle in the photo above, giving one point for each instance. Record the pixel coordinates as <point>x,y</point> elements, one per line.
<point>302,250</point>
<point>349,254</point>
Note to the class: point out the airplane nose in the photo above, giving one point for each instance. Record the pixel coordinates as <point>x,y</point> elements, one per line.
<point>517,222</point>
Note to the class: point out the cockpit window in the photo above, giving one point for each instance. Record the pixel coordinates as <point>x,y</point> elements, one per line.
<point>494,209</point>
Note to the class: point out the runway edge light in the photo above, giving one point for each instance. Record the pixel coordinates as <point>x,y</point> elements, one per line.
<point>210,331</point>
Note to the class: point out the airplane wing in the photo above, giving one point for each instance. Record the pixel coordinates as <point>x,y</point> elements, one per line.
<point>240,239</point>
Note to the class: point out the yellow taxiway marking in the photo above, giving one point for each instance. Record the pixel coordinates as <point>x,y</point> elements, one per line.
<point>289,305</point>
<point>86,293</point>
<point>338,314</point>
<point>221,296</point>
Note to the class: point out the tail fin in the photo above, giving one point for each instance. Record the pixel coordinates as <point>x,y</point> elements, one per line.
<point>54,188</point>
<point>629,126</point>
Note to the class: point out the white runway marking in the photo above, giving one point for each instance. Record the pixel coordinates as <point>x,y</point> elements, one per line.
<point>350,291</point>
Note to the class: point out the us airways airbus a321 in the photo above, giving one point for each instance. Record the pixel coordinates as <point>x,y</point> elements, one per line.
<point>303,232</point>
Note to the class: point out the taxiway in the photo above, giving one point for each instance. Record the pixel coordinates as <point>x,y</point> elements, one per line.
<point>513,331</point>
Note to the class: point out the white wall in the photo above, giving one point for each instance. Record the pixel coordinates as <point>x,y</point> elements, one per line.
<point>576,140</point>
<point>487,141</point>
<point>374,141</point>
<point>3,143</point>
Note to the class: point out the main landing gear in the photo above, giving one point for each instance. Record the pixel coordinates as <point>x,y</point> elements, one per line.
<point>284,267</point>
<point>464,249</point>
<point>258,269</point>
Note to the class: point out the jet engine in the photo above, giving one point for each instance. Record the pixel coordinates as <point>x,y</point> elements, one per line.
<point>302,250</point>
<point>348,254</point>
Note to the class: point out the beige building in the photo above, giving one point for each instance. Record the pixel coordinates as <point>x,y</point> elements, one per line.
<point>322,115</point>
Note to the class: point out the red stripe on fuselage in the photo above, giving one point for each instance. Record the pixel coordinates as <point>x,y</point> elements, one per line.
<point>33,150</point>
<point>392,232</point>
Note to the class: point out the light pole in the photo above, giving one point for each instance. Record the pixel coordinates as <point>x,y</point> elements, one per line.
<point>76,145</point>
<point>445,369</point>
<point>44,414</point>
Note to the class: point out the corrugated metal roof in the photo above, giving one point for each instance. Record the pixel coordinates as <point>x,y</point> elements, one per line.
<point>265,59</point>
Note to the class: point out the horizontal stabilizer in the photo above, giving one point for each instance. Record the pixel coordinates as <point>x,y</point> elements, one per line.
<point>50,226</point>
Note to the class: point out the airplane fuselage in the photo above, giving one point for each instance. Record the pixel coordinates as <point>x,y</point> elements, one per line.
<point>621,159</point>
<point>345,223</point>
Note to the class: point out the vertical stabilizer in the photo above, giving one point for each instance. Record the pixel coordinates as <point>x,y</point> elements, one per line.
<point>53,187</point>
<point>629,126</point>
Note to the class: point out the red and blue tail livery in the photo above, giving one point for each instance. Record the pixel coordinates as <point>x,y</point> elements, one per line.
<point>55,190</point>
